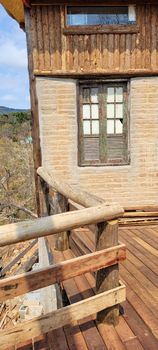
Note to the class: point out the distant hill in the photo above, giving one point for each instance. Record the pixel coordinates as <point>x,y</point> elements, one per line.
<point>7,110</point>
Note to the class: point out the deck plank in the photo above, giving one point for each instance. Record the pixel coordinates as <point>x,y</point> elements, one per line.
<point>138,327</point>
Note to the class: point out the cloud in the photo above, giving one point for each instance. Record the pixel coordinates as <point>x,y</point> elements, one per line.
<point>12,56</point>
<point>8,98</point>
<point>14,86</point>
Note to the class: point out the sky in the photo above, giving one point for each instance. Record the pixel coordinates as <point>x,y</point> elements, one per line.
<point>14,85</point>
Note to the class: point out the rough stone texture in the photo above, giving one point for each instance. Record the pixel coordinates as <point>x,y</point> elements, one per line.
<point>132,184</point>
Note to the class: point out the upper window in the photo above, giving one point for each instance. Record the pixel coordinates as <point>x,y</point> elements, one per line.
<point>103,125</point>
<point>100,15</point>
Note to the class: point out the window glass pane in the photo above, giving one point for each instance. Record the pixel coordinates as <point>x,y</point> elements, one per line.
<point>86,95</point>
<point>86,111</point>
<point>110,126</point>
<point>94,109</point>
<point>95,127</point>
<point>95,15</point>
<point>86,127</point>
<point>110,94</point>
<point>94,95</point>
<point>119,127</point>
<point>119,94</point>
<point>119,111</point>
<point>110,111</point>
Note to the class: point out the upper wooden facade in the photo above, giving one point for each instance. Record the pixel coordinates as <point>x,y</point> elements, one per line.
<point>126,49</point>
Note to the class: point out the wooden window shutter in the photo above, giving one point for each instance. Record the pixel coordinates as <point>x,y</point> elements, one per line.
<point>103,124</point>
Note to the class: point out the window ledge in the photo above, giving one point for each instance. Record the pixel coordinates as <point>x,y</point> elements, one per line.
<point>110,164</point>
<point>109,29</point>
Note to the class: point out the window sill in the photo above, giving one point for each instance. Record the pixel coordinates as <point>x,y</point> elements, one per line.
<point>109,29</point>
<point>110,164</point>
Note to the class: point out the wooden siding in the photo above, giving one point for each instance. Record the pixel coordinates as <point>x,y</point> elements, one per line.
<point>107,53</point>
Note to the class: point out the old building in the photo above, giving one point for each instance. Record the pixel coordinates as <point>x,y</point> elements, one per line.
<point>93,71</point>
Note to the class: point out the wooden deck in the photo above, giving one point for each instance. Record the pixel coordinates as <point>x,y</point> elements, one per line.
<point>138,326</point>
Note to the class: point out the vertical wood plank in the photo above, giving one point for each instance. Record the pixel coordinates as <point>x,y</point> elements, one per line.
<point>116,53</point>
<point>57,32</point>
<point>147,36</point>
<point>51,37</point>
<point>105,51</point>
<point>107,278</point>
<point>122,51</point>
<point>40,38</point>
<point>153,37</point>
<point>33,38</point>
<point>46,40</point>
<point>34,107</point>
<point>63,39</point>
<point>143,37</point>
<point>60,205</point>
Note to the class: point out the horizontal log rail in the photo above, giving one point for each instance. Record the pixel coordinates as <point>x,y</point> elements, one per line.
<point>61,317</point>
<point>23,231</point>
<point>55,192</point>
<point>73,192</point>
<point>104,218</point>
<point>13,286</point>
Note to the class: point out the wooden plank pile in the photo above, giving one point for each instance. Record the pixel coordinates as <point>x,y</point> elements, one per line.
<point>13,264</point>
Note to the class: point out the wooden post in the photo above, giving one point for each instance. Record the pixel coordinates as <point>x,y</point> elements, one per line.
<point>44,198</point>
<point>107,278</point>
<point>60,205</point>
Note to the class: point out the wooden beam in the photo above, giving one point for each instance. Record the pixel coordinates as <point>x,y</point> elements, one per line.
<point>139,214</point>
<point>61,317</point>
<point>17,258</point>
<point>13,286</point>
<point>23,231</point>
<point>60,205</point>
<point>149,208</point>
<point>107,278</point>
<point>93,2</point>
<point>69,191</point>
<point>113,74</point>
<point>34,106</point>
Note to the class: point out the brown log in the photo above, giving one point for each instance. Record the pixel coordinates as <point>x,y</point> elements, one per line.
<point>69,191</point>
<point>34,104</point>
<point>61,317</point>
<point>107,278</point>
<point>60,205</point>
<point>13,286</point>
<point>29,263</point>
<point>23,231</point>
<point>17,258</point>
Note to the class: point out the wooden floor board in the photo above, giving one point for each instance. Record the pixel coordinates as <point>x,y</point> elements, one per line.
<point>142,309</point>
<point>88,329</point>
<point>147,272</point>
<point>129,236</point>
<point>136,251</point>
<point>138,326</point>
<point>144,234</point>
<point>143,280</point>
<point>146,338</point>
<point>139,289</point>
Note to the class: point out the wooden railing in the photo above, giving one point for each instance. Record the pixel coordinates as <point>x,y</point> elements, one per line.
<point>106,232</point>
<point>109,291</point>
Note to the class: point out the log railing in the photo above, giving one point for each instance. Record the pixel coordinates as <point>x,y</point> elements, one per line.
<point>106,232</point>
<point>109,291</point>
